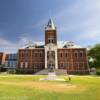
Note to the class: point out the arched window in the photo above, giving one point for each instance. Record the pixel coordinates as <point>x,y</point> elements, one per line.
<point>61,54</point>
<point>66,54</point>
<point>76,54</point>
<point>49,41</point>
<point>81,54</point>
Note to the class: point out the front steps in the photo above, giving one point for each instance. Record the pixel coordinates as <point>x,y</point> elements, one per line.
<point>57,71</point>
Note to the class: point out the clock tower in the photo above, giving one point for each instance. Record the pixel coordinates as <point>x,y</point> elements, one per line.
<point>51,45</point>
<point>50,33</point>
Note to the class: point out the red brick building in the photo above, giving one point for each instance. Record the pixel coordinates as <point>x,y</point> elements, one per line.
<point>31,60</point>
<point>73,59</point>
<point>2,58</point>
<point>65,55</point>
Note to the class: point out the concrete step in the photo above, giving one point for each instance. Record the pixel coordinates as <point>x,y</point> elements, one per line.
<point>57,71</point>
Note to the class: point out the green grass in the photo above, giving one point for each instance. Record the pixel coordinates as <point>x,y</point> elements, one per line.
<point>21,87</point>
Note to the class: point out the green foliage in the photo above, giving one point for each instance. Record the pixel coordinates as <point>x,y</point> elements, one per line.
<point>11,71</point>
<point>1,67</point>
<point>98,73</point>
<point>94,53</point>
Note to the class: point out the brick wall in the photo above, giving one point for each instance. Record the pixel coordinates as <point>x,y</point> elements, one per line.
<point>73,60</point>
<point>50,34</point>
<point>31,60</point>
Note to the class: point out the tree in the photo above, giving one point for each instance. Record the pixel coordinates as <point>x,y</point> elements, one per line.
<point>94,54</point>
<point>1,67</point>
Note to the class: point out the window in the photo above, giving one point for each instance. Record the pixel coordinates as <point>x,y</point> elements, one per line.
<point>48,41</point>
<point>26,64</point>
<point>76,55</point>
<point>61,65</point>
<point>81,54</point>
<point>52,41</point>
<point>8,64</point>
<point>66,54</point>
<point>67,64</point>
<point>26,53</point>
<point>61,54</point>
<point>41,55</point>
<point>22,54</point>
<point>35,54</point>
<point>21,64</point>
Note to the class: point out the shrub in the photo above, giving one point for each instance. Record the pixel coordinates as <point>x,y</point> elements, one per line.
<point>11,71</point>
<point>98,72</point>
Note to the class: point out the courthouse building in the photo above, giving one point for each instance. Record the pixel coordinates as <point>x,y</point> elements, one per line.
<point>52,53</point>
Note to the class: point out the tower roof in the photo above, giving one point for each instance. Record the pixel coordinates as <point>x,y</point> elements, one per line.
<point>50,25</point>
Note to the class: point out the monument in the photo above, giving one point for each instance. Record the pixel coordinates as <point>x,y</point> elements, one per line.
<point>51,61</point>
<point>51,66</point>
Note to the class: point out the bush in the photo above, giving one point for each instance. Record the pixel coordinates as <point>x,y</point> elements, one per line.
<point>11,71</point>
<point>98,72</point>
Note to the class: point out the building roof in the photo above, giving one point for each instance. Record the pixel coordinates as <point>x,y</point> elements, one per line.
<point>32,45</point>
<point>67,44</point>
<point>60,44</point>
<point>50,25</point>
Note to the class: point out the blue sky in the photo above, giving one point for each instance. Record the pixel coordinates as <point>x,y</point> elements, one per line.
<point>22,21</point>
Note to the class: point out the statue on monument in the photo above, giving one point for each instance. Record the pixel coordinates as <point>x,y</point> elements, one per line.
<point>51,59</point>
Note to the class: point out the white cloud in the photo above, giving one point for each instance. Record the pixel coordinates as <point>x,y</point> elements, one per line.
<point>8,46</point>
<point>83,18</point>
<point>23,40</point>
<point>4,42</point>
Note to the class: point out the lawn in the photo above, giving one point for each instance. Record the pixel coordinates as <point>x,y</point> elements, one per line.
<point>29,87</point>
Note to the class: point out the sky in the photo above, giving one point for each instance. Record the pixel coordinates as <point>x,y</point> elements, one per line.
<point>22,21</point>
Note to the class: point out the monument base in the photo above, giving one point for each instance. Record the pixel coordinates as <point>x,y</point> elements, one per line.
<point>52,77</point>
